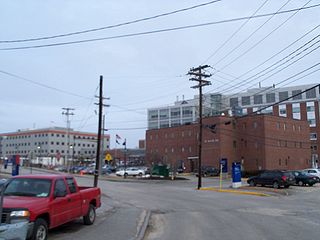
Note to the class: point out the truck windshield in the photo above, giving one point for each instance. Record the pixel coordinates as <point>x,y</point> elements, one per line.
<point>28,187</point>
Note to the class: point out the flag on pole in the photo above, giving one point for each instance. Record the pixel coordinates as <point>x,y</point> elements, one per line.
<point>125,142</point>
<point>118,137</point>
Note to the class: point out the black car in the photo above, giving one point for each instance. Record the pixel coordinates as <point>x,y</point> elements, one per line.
<point>303,178</point>
<point>207,171</point>
<point>275,178</point>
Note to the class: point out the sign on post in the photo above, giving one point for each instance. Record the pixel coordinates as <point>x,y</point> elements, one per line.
<point>108,157</point>
<point>236,174</point>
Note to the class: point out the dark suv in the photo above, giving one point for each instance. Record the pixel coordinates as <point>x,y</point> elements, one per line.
<point>275,178</point>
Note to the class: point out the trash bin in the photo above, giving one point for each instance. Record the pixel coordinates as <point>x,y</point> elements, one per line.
<point>160,170</point>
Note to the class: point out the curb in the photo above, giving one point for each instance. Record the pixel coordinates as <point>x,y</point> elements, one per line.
<point>142,225</point>
<point>236,192</point>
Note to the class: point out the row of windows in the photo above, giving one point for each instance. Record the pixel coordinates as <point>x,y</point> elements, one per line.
<point>173,113</point>
<point>256,144</point>
<point>271,97</point>
<point>46,143</point>
<point>46,135</point>
<point>173,135</point>
<point>46,151</point>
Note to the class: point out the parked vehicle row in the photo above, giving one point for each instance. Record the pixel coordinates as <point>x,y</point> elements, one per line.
<point>278,178</point>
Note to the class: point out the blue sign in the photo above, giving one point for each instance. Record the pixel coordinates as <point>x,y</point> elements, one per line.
<point>236,172</point>
<point>224,163</point>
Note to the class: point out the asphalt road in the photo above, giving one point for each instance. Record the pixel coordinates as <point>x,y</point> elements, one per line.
<point>179,211</point>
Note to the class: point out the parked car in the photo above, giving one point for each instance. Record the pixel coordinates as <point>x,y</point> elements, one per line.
<point>313,171</point>
<point>131,171</point>
<point>106,169</point>
<point>275,178</point>
<point>207,171</point>
<point>302,178</point>
<point>77,169</point>
<point>48,200</point>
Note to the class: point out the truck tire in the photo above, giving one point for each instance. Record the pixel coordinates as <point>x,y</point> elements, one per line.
<point>90,217</point>
<point>40,230</point>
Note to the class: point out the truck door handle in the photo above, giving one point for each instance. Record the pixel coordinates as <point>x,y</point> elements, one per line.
<point>69,199</point>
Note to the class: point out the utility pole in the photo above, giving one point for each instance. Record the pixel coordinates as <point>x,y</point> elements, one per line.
<point>96,172</point>
<point>67,112</point>
<point>100,129</point>
<point>197,75</point>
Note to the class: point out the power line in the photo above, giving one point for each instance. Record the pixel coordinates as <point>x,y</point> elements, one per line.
<point>273,56</point>
<point>238,30</point>
<point>247,38</point>
<point>42,85</point>
<point>259,74</point>
<point>264,38</point>
<point>110,26</point>
<point>156,31</point>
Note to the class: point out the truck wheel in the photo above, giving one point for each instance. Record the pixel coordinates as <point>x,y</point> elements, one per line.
<point>40,230</point>
<point>90,217</point>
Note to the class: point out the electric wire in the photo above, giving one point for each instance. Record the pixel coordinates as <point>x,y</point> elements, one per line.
<point>155,31</point>
<point>247,38</point>
<point>260,41</point>
<point>110,26</point>
<point>232,35</point>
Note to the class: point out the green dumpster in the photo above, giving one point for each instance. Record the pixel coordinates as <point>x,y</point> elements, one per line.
<point>160,170</point>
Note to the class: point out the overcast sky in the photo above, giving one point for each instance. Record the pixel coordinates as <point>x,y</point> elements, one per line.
<point>144,71</point>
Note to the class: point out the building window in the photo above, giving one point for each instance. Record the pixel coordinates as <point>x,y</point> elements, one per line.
<point>234,102</point>
<point>283,110</point>
<point>255,124</point>
<point>164,114</point>
<point>234,144</point>
<point>279,161</point>
<point>283,95</point>
<point>175,113</point>
<point>257,99</point>
<point>296,114</point>
<point>245,100</point>
<point>311,93</point>
<point>295,92</point>
<point>268,110</point>
<point>311,116</point>
<point>187,112</point>
<point>313,136</point>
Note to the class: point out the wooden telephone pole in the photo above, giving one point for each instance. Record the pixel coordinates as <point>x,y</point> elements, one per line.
<point>198,75</point>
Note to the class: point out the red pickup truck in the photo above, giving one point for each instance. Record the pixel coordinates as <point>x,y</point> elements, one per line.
<point>47,201</point>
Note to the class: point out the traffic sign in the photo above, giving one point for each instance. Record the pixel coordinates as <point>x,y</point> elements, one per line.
<point>108,157</point>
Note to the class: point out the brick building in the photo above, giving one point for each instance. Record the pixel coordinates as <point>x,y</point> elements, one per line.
<point>297,102</point>
<point>259,142</point>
